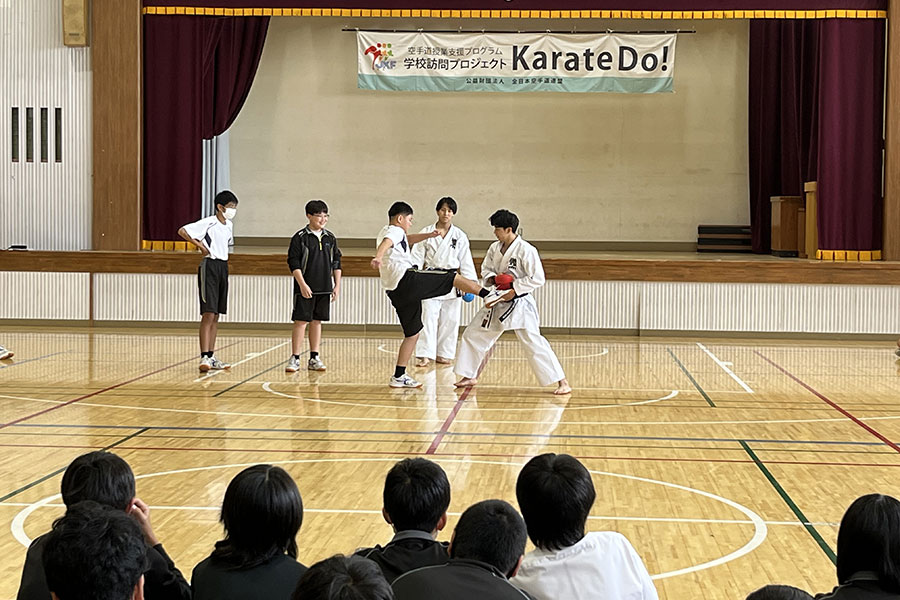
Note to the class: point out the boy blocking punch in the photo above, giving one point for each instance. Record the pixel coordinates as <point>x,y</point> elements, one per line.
<point>407,286</point>
<point>213,235</point>
<point>315,262</point>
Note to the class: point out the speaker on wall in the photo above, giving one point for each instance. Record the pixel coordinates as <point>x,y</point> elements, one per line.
<point>75,22</point>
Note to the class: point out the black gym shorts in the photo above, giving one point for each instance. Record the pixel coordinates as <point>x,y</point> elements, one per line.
<point>418,285</point>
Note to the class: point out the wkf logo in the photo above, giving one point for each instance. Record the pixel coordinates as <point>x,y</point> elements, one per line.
<point>381,56</point>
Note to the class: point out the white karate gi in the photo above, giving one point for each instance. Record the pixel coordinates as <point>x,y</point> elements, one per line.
<point>440,316</point>
<point>520,315</point>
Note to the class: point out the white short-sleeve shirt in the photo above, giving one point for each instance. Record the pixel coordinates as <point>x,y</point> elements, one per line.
<point>214,234</point>
<point>397,259</point>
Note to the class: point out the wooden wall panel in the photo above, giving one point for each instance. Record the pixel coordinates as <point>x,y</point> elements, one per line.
<point>117,125</point>
<point>891,244</point>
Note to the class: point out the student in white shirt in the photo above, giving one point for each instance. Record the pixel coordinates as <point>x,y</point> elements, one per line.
<point>407,286</point>
<point>440,316</point>
<point>555,494</point>
<point>213,235</point>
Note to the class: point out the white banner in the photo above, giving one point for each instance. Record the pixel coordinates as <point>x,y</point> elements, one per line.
<point>515,62</point>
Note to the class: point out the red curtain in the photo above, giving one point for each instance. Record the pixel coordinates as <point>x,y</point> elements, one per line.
<point>815,110</point>
<point>197,74</point>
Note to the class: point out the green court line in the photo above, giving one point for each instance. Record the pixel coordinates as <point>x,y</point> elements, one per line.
<point>240,383</point>
<point>28,486</point>
<point>793,506</point>
<point>689,376</point>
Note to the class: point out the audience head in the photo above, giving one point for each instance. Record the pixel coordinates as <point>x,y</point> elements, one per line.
<point>555,493</point>
<point>416,495</point>
<point>779,592</point>
<point>869,540</point>
<point>262,513</point>
<point>99,476</point>
<point>95,552</point>
<point>492,532</point>
<point>343,578</point>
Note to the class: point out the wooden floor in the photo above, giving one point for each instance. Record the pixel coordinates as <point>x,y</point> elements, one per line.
<point>727,464</point>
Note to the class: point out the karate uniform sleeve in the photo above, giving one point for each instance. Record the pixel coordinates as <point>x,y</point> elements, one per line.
<point>489,265</point>
<point>466,264</point>
<point>534,272</point>
<point>295,253</point>
<point>417,253</point>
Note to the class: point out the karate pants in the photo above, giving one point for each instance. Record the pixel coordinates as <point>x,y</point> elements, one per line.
<point>440,328</point>
<point>476,341</point>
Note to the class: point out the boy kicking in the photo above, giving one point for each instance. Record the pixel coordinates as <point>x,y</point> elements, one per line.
<point>514,266</point>
<point>407,286</point>
<point>315,262</point>
<point>213,235</point>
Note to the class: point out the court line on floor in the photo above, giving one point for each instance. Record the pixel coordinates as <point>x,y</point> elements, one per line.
<point>445,427</point>
<point>28,360</point>
<point>250,356</point>
<point>831,403</point>
<point>40,480</point>
<point>791,504</point>
<point>725,368</point>
<point>229,388</point>
<point>691,377</point>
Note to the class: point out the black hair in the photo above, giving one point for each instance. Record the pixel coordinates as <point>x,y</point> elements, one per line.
<point>399,208</point>
<point>555,493</point>
<point>869,540</point>
<point>450,202</point>
<point>94,552</point>
<point>99,476</point>
<point>779,592</point>
<point>315,207</point>
<point>416,494</point>
<point>503,218</point>
<point>343,578</point>
<point>262,513</point>
<point>225,198</point>
<point>490,531</point>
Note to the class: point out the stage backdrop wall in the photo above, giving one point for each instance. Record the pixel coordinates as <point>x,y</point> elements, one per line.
<point>586,167</point>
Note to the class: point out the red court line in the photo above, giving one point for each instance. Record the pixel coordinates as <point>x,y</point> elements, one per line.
<point>460,454</point>
<point>462,398</point>
<point>97,393</point>
<point>831,403</point>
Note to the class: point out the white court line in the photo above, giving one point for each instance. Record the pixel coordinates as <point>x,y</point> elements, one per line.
<point>360,511</point>
<point>726,369</point>
<point>604,352</point>
<point>17,526</point>
<point>250,356</point>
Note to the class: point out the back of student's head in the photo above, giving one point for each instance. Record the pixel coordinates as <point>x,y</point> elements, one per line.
<point>343,578</point>
<point>225,198</point>
<point>448,202</point>
<point>492,532</point>
<point>416,494</point>
<point>399,209</point>
<point>94,552</point>
<point>316,207</point>
<point>779,592</point>
<point>555,493</point>
<point>869,540</point>
<point>99,476</point>
<point>505,219</point>
<point>262,513</point>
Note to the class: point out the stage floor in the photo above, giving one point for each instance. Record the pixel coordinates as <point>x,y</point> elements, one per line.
<point>727,464</point>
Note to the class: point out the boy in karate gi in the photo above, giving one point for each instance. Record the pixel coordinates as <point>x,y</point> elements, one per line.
<point>517,311</point>
<point>440,316</point>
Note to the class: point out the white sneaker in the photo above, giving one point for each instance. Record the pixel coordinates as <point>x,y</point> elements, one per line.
<point>315,364</point>
<point>293,365</point>
<point>494,297</point>
<point>4,353</point>
<point>216,364</point>
<point>205,364</point>
<point>404,381</point>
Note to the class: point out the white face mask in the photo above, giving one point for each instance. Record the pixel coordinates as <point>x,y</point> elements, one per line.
<point>230,212</point>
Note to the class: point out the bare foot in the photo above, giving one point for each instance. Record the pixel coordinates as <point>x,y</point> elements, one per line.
<point>465,382</point>
<point>422,362</point>
<point>442,361</point>
<point>562,388</point>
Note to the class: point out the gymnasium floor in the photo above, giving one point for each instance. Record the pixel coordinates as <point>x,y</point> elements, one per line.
<point>728,464</point>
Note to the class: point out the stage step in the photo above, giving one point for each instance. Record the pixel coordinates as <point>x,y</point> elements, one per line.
<point>723,238</point>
